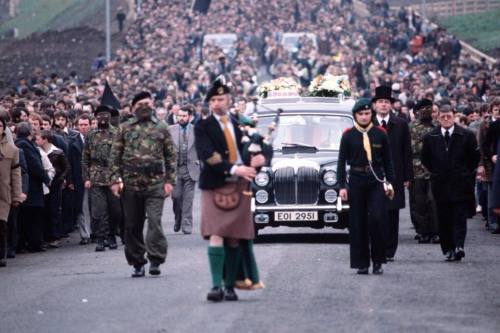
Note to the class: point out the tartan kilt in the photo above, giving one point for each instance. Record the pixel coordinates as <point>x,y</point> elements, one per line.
<point>235,223</point>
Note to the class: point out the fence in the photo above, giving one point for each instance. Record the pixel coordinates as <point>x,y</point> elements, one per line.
<point>455,7</point>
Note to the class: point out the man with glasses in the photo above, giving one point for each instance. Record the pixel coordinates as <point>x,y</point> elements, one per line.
<point>451,155</point>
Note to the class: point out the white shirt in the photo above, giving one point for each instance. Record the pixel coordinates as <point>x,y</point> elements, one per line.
<point>82,137</point>
<point>386,119</point>
<point>231,129</point>
<point>450,130</point>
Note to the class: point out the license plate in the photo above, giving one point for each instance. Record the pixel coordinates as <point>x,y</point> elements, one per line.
<point>295,216</point>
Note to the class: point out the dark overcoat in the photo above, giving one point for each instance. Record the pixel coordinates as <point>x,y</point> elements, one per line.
<point>453,169</point>
<point>75,148</point>
<point>37,176</point>
<point>400,143</point>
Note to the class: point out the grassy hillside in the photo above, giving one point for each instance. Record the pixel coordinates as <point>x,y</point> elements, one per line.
<point>481,30</point>
<point>42,15</point>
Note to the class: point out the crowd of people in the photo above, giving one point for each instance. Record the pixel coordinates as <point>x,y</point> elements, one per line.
<point>48,115</point>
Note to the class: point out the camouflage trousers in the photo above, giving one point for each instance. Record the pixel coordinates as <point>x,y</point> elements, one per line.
<point>423,212</point>
<point>138,205</point>
<point>105,210</point>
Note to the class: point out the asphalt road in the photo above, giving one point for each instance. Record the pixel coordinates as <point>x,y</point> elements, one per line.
<point>310,288</point>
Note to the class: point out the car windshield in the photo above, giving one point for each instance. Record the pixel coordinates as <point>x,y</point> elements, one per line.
<point>320,131</point>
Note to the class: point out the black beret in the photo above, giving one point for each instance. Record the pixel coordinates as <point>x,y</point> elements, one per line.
<point>218,88</point>
<point>106,108</point>
<point>361,104</point>
<point>423,103</point>
<point>140,96</point>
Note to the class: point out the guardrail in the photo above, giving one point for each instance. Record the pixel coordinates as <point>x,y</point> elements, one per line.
<point>455,7</point>
<point>361,8</point>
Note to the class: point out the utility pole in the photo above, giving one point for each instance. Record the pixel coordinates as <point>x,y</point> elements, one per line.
<point>108,31</point>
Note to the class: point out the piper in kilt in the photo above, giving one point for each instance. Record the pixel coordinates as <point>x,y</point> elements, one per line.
<point>225,217</point>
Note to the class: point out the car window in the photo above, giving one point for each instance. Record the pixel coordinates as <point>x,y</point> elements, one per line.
<point>320,131</point>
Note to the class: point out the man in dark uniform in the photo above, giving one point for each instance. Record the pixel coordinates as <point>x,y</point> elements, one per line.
<point>365,148</point>
<point>105,208</point>
<point>422,204</point>
<point>143,160</point>
<point>226,215</point>
<point>400,143</point>
<point>451,155</point>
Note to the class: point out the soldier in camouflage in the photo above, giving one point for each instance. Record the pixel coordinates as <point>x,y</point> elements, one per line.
<point>422,204</point>
<point>105,208</point>
<point>143,161</point>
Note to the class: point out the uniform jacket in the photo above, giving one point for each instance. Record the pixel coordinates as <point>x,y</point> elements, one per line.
<point>400,142</point>
<point>193,164</point>
<point>95,158</point>
<point>36,173</point>
<point>10,177</point>
<point>143,155</point>
<point>213,152</point>
<point>417,134</point>
<point>453,170</point>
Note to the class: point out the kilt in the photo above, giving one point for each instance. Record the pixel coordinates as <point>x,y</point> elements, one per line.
<point>235,223</point>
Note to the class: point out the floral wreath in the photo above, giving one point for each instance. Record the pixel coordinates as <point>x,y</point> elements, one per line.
<point>330,86</point>
<point>283,86</point>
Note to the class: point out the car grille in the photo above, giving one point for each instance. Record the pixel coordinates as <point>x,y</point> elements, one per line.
<point>300,188</point>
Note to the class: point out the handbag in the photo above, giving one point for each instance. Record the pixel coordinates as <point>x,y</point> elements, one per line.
<point>228,197</point>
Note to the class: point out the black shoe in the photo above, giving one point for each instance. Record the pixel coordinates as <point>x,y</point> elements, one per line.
<point>11,254</point>
<point>424,240</point>
<point>3,262</point>
<point>138,271</point>
<point>362,271</point>
<point>377,269</point>
<point>450,255</point>
<point>100,246</point>
<point>417,237</point>
<point>389,259</point>
<point>106,243</point>
<point>459,253</point>
<point>496,231</point>
<point>435,239</point>
<point>84,241</point>
<point>230,294</point>
<point>215,295</point>
<point>112,243</point>
<point>177,227</point>
<point>154,269</point>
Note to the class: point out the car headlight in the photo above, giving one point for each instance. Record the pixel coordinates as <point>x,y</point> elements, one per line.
<point>330,196</point>
<point>330,177</point>
<point>262,179</point>
<point>261,196</point>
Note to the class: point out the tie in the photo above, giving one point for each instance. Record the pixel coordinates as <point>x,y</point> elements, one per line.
<point>184,135</point>
<point>384,124</point>
<point>447,138</point>
<point>231,147</point>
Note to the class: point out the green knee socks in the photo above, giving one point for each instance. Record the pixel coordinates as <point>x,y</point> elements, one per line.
<point>232,261</point>
<point>251,270</point>
<point>216,262</point>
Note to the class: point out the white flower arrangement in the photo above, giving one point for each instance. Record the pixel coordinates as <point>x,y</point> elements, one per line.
<point>283,86</point>
<point>330,86</point>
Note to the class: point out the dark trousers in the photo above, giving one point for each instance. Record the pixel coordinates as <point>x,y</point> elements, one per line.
<point>105,209</point>
<point>53,213</point>
<point>3,240</point>
<point>423,208</point>
<point>30,228</point>
<point>452,224</point>
<point>12,229</point>
<point>392,233</point>
<point>367,218</point>
<point>137,205</point>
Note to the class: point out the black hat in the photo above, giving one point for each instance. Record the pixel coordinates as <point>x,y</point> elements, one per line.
<point>106,108</point>
<point>423,103</point>
<point>218,88</point>
<point>361,104</point>
<point>383,92</point>
<point>140,96</point>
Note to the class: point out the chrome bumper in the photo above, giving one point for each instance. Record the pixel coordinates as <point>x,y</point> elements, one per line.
<point>335,207</point>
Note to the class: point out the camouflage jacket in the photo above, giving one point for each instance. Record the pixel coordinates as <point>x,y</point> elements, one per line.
<point>417,133</point>
<point>95,156</point>
<point>143,155</point>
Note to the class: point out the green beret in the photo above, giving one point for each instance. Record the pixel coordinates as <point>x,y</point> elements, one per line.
<point>361,104</point>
